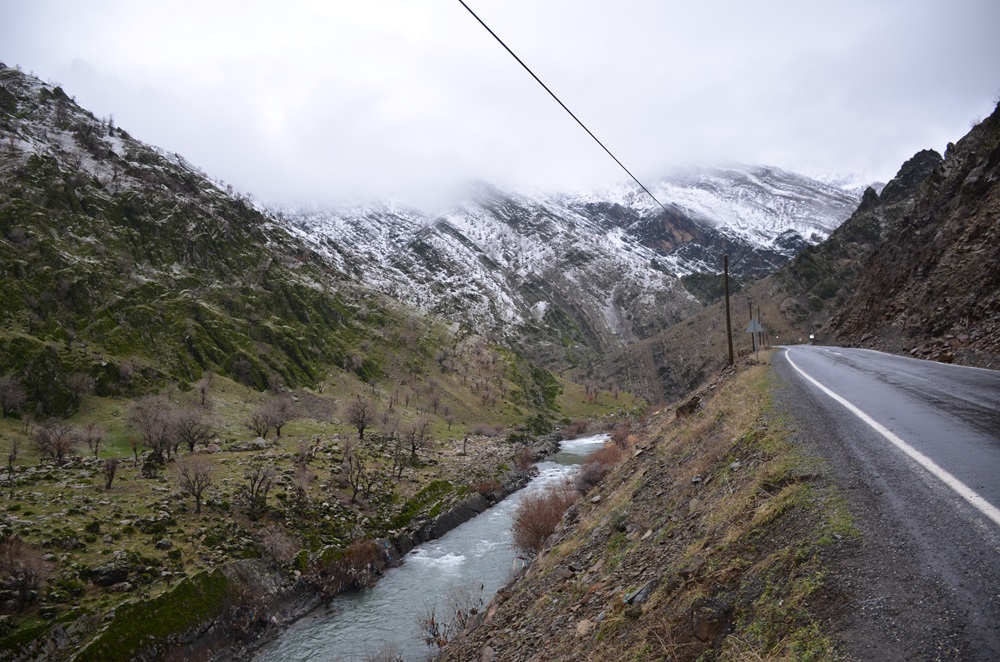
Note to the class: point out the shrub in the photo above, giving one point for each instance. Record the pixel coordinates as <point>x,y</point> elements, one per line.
<point>524,458</point>
<point>577,428</point>
<point>22,572</point>
<point>539,425</point>
<point>588,476</point>
<point>520,438</point>
<point>486,487</point>
<point>595,466</point>
<point>619,435</point>
<point>486,430</point>
<point>277,544</point>
<point>354,568</point>
<point>538,514</point>
<point>608,455</point>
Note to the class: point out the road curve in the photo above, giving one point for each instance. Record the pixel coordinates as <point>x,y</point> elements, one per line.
<point>915,447</point>
<point>949,414</point>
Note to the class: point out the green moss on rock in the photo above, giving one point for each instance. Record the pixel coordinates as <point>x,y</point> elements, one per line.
<point>154,624</point>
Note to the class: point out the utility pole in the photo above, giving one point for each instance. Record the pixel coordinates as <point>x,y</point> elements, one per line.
<point>729,324</point>
<point>760,319</point>
<point>753,335</point>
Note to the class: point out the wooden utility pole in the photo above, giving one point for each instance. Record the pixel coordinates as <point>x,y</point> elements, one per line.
<point>760,320</point>
<point>729,324</point>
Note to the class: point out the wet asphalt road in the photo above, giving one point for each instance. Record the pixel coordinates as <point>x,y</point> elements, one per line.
<point>951,414</point>
<point>923,582</point>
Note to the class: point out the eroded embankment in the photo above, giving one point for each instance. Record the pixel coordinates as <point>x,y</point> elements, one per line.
<point>706,543</point>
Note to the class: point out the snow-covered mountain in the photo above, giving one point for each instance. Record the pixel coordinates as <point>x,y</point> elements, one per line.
<point>558,273</point>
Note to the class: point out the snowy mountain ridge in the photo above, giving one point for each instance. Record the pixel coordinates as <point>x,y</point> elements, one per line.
<point>588,270</point>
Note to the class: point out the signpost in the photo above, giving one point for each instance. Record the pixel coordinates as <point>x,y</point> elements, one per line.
<point>753,328</point>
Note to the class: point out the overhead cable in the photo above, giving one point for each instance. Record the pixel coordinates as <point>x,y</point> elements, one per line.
<point>584,126</point>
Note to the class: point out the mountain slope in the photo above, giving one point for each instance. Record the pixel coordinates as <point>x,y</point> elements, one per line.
<point>814,284</point>
<point>125,264</point>
<point>570,277</point>
<point>796,301</point>
<point>933,287</point>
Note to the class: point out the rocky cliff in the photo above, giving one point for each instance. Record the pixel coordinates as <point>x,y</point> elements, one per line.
<point>932,288</point>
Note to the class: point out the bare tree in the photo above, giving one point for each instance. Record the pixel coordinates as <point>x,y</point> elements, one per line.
<point>399,457</point>
<point>194,476</point>
<point>109,468</point>
<point>204,385</point>
<point>361,414</point>
<point>449,417</point>
<point>55,439</point>
<point>190,427</point>
<point>418,435</point>
<point>277,544</point>
<point>300,488</point>
<point>150,417</point>
<point>15,450</point>
<point>80,384</point>
<point>279,411</point>
<point>242,370</point>
<point>620,433</point>
<point>389,422</point>
<point>12,396</point>
<point>93,435</point>
<point>357,465</point>
<point>259,423</point>
<point>22,570</point>
<point>134,444</point>
<point>259,480</point>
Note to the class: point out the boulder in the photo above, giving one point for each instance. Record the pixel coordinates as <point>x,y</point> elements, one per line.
<point>113,572</point>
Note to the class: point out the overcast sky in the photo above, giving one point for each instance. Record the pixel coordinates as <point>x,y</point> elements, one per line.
<point>310,101</point>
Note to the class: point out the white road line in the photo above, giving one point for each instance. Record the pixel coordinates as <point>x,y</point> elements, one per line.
<point>978,502</point>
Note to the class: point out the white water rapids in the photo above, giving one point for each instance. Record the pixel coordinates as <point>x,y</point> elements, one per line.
<point>479,553</point>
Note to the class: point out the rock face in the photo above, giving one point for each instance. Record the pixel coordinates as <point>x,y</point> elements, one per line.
<point>933,286</point>
<point>815,283</point>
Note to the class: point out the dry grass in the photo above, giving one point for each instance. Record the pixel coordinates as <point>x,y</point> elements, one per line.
<point>740,542</point>
<point>608,455</point>
<point>595,466</point>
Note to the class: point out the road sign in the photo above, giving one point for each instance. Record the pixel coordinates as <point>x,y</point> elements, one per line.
<point>754,326</point>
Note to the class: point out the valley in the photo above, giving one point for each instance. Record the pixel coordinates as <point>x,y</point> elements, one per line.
<point>232,412</point>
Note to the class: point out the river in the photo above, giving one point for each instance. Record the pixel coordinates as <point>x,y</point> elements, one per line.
<point>476,558</point>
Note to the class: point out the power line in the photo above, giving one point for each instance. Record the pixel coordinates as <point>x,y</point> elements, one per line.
<point>539,80</point>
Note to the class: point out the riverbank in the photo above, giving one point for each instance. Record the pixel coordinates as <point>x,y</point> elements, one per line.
<point>464,567</point>
<point>707,542</point>
<point>276,606</point>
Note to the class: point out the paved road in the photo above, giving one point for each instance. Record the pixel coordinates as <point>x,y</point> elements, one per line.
<point>915,445</point>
